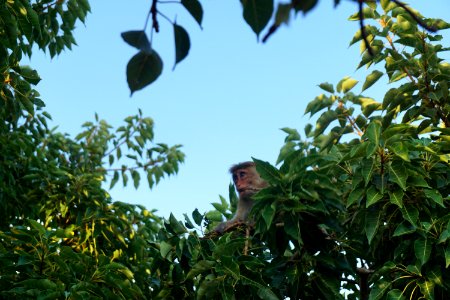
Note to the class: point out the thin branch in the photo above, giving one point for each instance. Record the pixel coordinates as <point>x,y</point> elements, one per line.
<point>362,28</point>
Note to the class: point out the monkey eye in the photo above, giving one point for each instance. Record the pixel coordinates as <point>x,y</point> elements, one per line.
<point>242,174</point>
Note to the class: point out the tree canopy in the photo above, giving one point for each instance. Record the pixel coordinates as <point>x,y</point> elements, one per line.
<point>356,209</point>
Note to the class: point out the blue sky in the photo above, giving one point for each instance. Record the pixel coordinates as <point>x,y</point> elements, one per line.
<point>226,102</point>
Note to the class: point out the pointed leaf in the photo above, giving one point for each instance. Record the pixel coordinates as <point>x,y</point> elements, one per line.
<point>371,79</point>
<point>354,196</point>
<point>396,197</point>
<point>195,9</point>
<point>404,228</point>
<point>422,249</point>
<point>377,292</point>
<point>327,87</point>
<point>197,216</point>
<point>137,39</point>
<point>257,13</point>
<point>346,84</point>
<point>182,43</point>
<point>435,196</point>
<point>373,196</point>
<point>411,214</point>
<point>367,170</point>
<point>398,174</point>
<point>373,220</point>
<point>143,69</point>
<point>395,295</point>
<point>267,171</point>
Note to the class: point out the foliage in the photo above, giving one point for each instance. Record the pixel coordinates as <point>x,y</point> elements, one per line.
<point>358,209</point>
<point>60,234</point>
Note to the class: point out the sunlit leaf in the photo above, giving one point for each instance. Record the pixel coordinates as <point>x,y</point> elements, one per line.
<point>346,84</point>
<point>371,79</point>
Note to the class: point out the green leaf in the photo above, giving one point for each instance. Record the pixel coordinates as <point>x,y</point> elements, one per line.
<point>136,178</point>
<point>195,9</point>
<point>262,291</point>
<point>422,249</point>
<point>283,13</point>
<point>355,196</point>
<point>230,266</point>
<point>324,120</point>
<point>200,267</point>
<point>165,248</point>
<point>182,43</point>
<point>143,69</point>
<point>327,87</point>
<point>114,180</point>
<point>447,256</point>
<point>177,227</point>
<point>377,292</point>
<point>371,79</point>
<point>373,220</point>
<point>137,39</point>
<point>427,289</point>
<point>404,228</point>
<point>400,150</point>
<point>346,84</point>
<point>398,174</point>
<point>367,170</point>
<point>396,197</point>
<point>38,226</point>
<point>197,216</point>
<point>395,295</point>
<point>435,196</point>
<point>373,196</point>
<point>373,133</point>
<point>267,171</point>
<point>411,214</point>
<point>268,214</point>
<point>257,13</point>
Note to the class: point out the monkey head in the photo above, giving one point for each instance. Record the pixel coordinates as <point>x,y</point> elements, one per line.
<point>247,180</point>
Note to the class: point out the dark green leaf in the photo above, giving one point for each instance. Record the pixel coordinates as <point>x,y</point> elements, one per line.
<point>422,249</point>
<point>267,171</point>
<point>257,13</point>
<point>197,216</point>
<point>182,43</point>
<point>373,220</point>
<point>327,87</point>
<point>398,174</point>
<point>195,9</point>
<point>143,69</point>
<point>137,39</point>
<point>373,196</point>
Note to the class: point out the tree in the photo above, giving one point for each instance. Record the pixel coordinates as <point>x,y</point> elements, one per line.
<point>357,209</point>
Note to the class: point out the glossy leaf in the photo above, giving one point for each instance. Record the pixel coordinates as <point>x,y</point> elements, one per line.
<point>143,69</point>
<point>395,295</point>
<point>182,43</point>
<point>435,196</point>
<point>422,249</point>
<point>404,228</point>
<point>410,214</point>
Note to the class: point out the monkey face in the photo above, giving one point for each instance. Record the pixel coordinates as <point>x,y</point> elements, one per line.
<point>248,182</point>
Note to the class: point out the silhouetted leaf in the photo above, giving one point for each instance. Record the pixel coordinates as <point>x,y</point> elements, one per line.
<point>257,13</point>
<point>182,43</point>
<point>143,69</point>
<point>195,9</point>
<point>137,39</point>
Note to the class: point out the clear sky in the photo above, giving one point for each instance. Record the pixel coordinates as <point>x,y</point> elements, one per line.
<point>225,103</point>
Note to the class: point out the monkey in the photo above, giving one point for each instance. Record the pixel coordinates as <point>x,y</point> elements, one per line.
<point>247,183</point>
